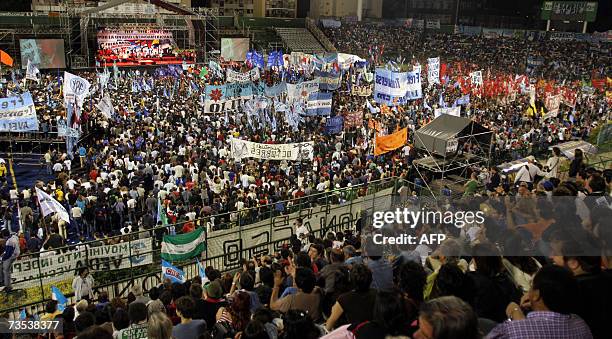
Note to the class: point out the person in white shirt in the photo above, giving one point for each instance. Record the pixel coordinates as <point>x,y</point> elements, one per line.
<point>553,163</point>
<point>528,173</point>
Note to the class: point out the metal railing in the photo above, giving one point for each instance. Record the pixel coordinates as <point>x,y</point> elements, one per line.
<point>335,210</point>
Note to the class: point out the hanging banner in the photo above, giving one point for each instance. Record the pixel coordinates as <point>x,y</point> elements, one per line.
<point>276,90</point>
<point>222,106</point>
<point>56,267</point>
<point>386,143</point>
<point>395,88</point>
<point>334,125</point>
<point>233,76</point>
<point>552,103</point>
<point>302,90</point>
<point>433,24</point>
<point>328,81</point>
<point>352,120</point>
<point>18,114</point>
<point>476,78</point>
<point>362,90</point>
<point>319,103</point>
<point>433,71</point>
<point>248,149</point>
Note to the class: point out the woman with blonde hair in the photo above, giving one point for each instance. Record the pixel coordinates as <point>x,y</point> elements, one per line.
<point>159,326</point>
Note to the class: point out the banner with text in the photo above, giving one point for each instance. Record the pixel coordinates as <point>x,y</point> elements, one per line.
<point>18,114</point>
<point>395,88</point>
<point>55,267</point>
<point>433,71</point>
<point>247,149</point>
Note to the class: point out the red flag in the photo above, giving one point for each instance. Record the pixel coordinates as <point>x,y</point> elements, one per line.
<point>443,71</point>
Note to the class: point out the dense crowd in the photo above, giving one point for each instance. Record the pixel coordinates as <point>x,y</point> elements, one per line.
<point>160,158</point>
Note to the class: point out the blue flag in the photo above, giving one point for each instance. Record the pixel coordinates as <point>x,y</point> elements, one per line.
<point>173,273</point>
<point>23,315</point>
<point>57,295</point>
<point>319,103</point>
<point>334,125</point>
<point>202,272</point>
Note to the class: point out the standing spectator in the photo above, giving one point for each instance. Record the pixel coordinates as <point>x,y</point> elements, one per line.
<point>82,285</point>
<point>137,313</point>
<point>160,327</point>
<point>10,254</point>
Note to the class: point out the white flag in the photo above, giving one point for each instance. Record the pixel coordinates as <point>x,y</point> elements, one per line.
<point>49,205</point>
<point>75,86</point>
<point>106,107</point>
<point>32,71</point>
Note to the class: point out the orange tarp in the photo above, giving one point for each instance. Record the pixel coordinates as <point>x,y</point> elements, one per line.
<point>390,142</point>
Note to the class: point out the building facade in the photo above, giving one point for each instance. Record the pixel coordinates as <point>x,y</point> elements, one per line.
<point>257,8</point>
<point>346,8</point>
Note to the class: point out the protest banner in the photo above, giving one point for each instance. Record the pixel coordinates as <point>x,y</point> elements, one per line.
<point>222,106</point>
<point>334,125</point>
<point>18,114</point>
<point>362,90</point>
<point>53,268</point>
<point>476,78</point>
<point>302,90</point>
<point>233,76</point>
<point>295,151</point>
<point>396,88</point>
<point>353,119</point>
<point>552,103</point>
<point>386,143</point>
<point>433,71</point>
<point>328,81</point>
<point>319,103</point>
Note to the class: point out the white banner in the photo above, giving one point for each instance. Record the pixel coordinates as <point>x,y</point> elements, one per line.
<point>58,267</point>
<point>233,76</point>
<point>302,90</point>
<point>552,105</point>
<point>433,70</point>
<point>456,111</point>
<point>416,68</point>
<point>248,149</point>
<point>476,78</point>
<point>221,106</point>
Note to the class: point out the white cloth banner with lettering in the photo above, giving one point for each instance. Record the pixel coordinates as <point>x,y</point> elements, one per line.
<point>476,78</point>
<point>233,76</point>
<point>433,71</point>
<point>248,149</point>
<point>58,267</point>
<point>302,90</point>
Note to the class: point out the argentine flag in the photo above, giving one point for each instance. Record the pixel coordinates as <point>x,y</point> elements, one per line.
<point>202,272</point>
<point>56,294</point>
<point>174,273</point>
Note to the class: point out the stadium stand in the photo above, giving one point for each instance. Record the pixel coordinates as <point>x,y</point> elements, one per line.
<point>300,40</point>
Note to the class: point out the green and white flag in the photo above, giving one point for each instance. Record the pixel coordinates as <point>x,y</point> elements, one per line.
<point>183,246</point>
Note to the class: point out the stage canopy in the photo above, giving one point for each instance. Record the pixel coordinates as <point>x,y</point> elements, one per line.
<point>444,134</point>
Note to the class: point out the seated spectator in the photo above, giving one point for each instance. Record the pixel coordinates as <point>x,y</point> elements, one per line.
<point>121,320</point>
<point>494,289</point>
<point>233,319</point>
<point>307,299</point>
<point>356,306</point>
<point>84,321</point>
<point>137,313</point>
<point>189,327</point>
<point>298,324</point>
<point>212,303</point>
<point>159,326</point>
<point>552,301</point>
<point>95,332</point>
<point>447,318</point>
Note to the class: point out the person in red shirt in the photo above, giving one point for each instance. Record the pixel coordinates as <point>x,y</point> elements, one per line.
<point>188,227</point>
